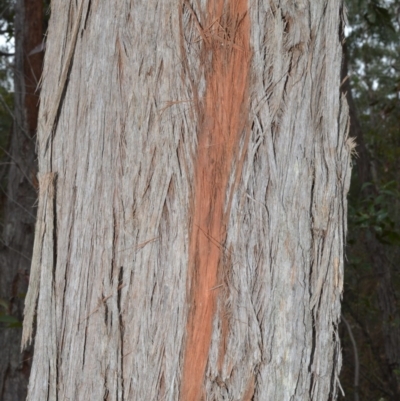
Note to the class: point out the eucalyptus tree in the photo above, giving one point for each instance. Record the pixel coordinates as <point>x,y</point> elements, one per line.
<point>193,171</point>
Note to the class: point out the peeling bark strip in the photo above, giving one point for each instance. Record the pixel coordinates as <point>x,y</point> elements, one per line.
<point>223,117</point>
<point>42,258</point>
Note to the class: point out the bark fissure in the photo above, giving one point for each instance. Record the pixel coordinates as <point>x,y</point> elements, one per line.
<point>53,114</point>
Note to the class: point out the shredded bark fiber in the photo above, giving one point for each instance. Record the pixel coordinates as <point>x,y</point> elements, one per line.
<point>192,247</point>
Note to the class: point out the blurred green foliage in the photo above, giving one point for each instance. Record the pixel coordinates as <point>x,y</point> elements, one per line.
<point>6,319</point>
<point>372,213</point>
<point>373,46</point>
<point>6,76</point>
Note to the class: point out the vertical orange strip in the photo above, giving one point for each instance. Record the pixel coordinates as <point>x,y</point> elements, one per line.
<point>223,121</point>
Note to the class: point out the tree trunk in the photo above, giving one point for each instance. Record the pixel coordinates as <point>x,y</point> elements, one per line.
<point>194,167</point>
<point>19,211</point>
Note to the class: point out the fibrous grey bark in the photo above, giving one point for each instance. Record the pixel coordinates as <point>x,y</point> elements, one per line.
<point>197,160</point>
<point>20,197</point>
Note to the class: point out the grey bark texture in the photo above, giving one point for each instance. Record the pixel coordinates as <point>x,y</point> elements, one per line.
<point>194,165</point>
<point>20,197</point>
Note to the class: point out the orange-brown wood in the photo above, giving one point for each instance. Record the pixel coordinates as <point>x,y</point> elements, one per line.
<point>248,395</point>
<point>223,117</point>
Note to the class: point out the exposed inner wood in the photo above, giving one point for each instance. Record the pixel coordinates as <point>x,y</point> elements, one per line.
<point>222,124</point>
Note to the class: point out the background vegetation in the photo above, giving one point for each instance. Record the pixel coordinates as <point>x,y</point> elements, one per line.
<point>371,81</point>
<point>372,279</point>
<point>6,123</point>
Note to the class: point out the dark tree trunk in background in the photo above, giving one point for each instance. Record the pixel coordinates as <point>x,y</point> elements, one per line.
<point>19,211</point>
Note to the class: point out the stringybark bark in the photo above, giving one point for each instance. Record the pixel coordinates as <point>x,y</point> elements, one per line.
<point>19,211</point>
<point>193,171</point>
